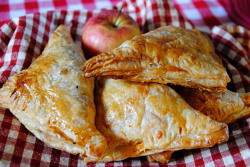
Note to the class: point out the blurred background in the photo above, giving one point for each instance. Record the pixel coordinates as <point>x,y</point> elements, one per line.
<point>203,14</point>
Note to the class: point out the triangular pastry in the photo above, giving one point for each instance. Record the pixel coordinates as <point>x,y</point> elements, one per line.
<point>54,100</point>
<point>165,55</point>
<point>225,107</point>
<point>140,119</point>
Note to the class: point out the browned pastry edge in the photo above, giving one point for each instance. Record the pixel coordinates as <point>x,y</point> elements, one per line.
<point>163,157</point>
<point>215,138</point>
<point>132,75</point>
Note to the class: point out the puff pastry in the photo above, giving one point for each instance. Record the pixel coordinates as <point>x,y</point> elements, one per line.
<point>165,55</point>
<point>54,100</point>
<point>162,157</point>
<point>140,119</point>
<point>225,107</point>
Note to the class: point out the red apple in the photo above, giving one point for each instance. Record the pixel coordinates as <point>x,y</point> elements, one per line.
<point>107,30</point>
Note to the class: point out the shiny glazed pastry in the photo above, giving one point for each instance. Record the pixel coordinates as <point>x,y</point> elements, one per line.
<point>140,119</point>
<point>165,55</point>
<point>226,107</point>
<point>54,100</point>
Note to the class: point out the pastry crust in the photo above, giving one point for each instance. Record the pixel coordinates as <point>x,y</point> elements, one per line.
<point>165,55</point>
<point>163,157</point>
<point>225,107</point>
<point>54,100</point>
<point>141,119</point>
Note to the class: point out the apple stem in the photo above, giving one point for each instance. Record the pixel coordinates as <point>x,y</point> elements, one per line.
<point>118,14</point>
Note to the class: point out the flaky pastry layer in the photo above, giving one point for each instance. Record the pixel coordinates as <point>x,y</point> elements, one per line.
<point>165,55</point>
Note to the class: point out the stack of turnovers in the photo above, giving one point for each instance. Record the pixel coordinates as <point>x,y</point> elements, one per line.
<point>55,100</point>
<point>140,115</point>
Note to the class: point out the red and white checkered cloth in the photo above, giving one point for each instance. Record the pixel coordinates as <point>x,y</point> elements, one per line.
<point>204,14</point>
<point>23,39</point>
<point>16,8</point>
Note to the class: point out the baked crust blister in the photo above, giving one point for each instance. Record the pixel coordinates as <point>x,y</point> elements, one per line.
<point>54,100</point>
<point>165,55</point>
<point>141,119</point>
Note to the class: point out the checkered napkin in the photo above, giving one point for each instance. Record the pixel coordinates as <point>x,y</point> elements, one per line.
<point>16,8</point>
<point>204,14</point>
<point>23,39</point>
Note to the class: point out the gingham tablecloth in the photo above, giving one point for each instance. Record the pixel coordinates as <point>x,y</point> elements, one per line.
<point>23,39</point>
